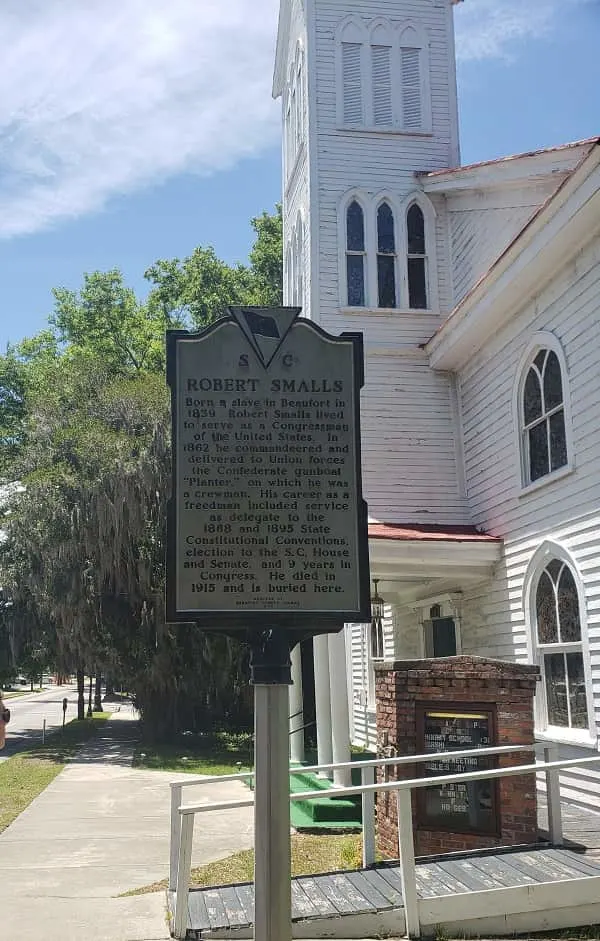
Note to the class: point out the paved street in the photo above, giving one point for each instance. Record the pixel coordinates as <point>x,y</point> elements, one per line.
<point>28,714</point>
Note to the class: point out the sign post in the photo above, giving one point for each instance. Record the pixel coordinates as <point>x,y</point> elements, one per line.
<point>267,534</point>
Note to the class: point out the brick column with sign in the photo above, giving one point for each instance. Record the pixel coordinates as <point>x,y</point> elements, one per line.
<point>449,704</point>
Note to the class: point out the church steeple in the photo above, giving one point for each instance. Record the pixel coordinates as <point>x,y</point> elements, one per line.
<point>369,101</point>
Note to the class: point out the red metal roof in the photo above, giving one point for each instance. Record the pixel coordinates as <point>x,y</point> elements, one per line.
<point>508,159</point>
<point>428,533</point>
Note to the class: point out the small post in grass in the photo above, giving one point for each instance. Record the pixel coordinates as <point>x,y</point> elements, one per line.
<point>44,733</point>
<point>65,703</point>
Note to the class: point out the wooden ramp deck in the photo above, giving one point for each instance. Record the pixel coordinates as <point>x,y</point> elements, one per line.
<point>491,892</point>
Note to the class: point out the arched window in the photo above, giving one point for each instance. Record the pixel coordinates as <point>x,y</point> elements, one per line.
<point>416,258</point>
<point>558,638</point>
<point>386,257</point>
<point>355,255</point>
<point>543,427</point>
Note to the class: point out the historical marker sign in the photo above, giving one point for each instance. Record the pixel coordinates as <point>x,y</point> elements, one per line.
<point>267,516</point>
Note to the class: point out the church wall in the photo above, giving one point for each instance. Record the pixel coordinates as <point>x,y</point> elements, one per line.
<point>409,457</point>
<point>484,218</point>
<point>362,680</point>
<point>478,237</point>
<point>296,177</point>
<point>566,510</point>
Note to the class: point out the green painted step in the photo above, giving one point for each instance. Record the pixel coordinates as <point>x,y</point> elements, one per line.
<point>322,812</point>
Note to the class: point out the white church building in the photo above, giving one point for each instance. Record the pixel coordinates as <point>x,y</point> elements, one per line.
<point>477,289</point>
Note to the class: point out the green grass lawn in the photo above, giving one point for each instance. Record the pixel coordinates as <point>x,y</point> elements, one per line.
<point>217,753</point>
<point>311,855</point>
<point>24,776</point>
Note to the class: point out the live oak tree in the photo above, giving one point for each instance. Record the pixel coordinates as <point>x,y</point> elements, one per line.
<point>84,426</point>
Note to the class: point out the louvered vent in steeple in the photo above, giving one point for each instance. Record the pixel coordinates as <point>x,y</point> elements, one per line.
<point>351,77</point>
<point>411,88</point>
<point>381,57</point>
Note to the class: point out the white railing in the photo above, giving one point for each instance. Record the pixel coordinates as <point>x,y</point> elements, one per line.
<point>182,816</point>
<point>403,789</point>
<point>367,777</point>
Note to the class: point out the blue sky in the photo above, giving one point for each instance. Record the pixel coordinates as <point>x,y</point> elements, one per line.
<point>132,130</point>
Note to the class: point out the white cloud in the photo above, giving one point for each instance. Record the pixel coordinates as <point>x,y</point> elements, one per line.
<point>102,96</point>
<point>488,29</point>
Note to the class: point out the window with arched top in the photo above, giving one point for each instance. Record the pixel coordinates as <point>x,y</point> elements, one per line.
<point>559,644</point>
<point>355,255</point>
<point>543,426</point>
<point>416,257</point>
<point>386,257</point>
<point>294,112</point>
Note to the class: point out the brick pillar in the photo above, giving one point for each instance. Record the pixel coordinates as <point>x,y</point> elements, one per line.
<point>403,688</point>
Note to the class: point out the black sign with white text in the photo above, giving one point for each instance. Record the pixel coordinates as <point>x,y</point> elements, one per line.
<point>463,807</point>
<point>267,519</point>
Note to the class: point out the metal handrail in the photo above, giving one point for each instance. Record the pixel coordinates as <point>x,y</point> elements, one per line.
<point>367,769</point>
<point>406,784</point>
<point>189,780</point>
<point>180,880</point>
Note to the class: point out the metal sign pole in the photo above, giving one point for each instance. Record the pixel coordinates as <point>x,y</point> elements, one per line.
<point>271,677</point>
<point>267,533</point>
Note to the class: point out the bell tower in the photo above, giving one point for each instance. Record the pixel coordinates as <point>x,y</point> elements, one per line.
<point>369,101</point>
<point>368,91</point>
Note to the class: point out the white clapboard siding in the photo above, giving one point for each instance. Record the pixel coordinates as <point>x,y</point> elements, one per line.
<point>483,221</point>
<point>408,443</point>
<point>362,721</point>
<point>359,684</point>
<point>478,238</point>
<point>566,511</point>
<point>296,183</point>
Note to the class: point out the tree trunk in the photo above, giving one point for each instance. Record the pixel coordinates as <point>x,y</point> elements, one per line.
<point>89,711</point>
<point>110,688</point>
<point>98,693</point>
<point>80,694</point>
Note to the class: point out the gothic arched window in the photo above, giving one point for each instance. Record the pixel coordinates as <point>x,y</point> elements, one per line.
<point>355,254</point>
<point>559,645</point>
<point>543,427</point>
<point>386,257</point>
<point>416,258</point>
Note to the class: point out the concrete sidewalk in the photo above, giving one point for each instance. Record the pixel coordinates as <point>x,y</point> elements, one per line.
<point>99,830</point>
